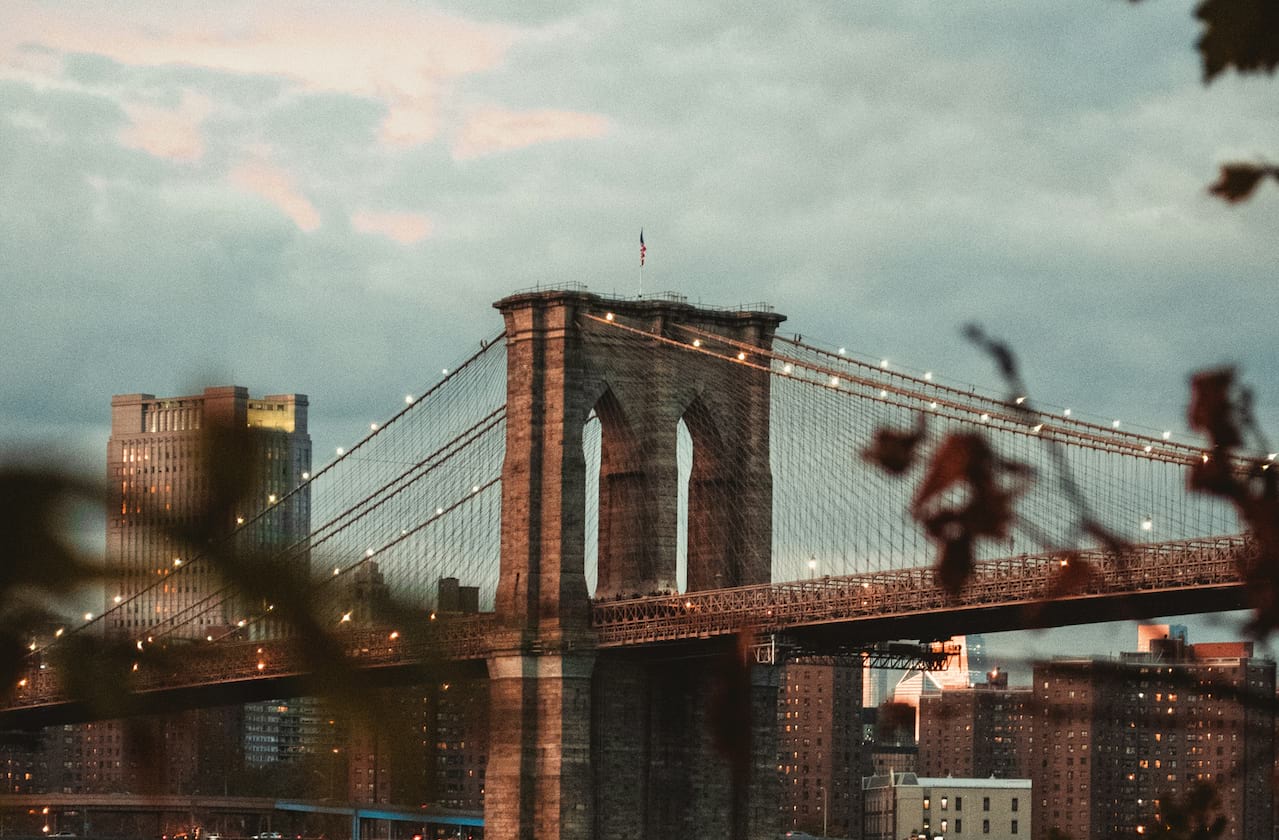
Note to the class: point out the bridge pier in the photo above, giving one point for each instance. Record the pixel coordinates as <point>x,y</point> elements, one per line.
<point>582,749</point>
<point>685,749</point>
<point>538,781</point>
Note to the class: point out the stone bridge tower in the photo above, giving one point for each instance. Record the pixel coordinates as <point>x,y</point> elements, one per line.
<point>585,745</point>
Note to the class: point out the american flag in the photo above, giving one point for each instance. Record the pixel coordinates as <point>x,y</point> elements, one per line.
<point>643,250</point>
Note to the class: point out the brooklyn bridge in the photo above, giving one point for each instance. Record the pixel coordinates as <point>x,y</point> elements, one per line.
<point>634,487</point>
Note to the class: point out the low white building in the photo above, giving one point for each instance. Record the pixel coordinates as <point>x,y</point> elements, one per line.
<point>903,806</point>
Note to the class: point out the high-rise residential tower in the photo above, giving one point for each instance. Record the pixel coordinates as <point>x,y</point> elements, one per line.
<point>1116,740</point>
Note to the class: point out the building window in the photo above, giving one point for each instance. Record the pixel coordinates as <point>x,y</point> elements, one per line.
<point>1013,830</point>
<point>959,825</point>
<point>985,826</point>
<point>959,806</point>
<point>1014,803</point>
<point>985,803</point>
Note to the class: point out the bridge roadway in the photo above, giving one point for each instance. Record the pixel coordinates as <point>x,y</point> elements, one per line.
<point>821,614</point>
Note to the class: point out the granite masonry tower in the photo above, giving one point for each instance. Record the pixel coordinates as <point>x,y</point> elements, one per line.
<point>596,744</point>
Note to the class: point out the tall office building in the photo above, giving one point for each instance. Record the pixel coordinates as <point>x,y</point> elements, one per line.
<point>160,473</point>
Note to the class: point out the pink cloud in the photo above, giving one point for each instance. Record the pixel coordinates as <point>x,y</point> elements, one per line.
<point>168,133</point>
<point>491,130</point>
<point>276,186</point>
<point>396,52</point>
<point>405,228</point>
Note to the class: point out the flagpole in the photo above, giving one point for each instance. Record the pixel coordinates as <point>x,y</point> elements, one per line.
<point>643,251</point>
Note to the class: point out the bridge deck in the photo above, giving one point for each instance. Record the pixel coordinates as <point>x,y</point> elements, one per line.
<point>1155,579</point>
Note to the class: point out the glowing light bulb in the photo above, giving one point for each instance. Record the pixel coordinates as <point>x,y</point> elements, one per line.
<point>336,571</point>
<point>608,316</point>
<point>241,623</point>
<point>408,399</point>
<point>843,350</point>
<point>932,404</point>
<point>1037,428</point>
<point>261,666</point>
<point>341,451</point>
<point>239,520</point>
<point>1066,413</point>
<point>883,363</point>
<point>1146,524</point>
<point>445,371</point>
<point>787,368</point>
<point>1167,435</point>
<point>741,357</point>
<point>438,511</point>
<point>208,638</point>
<point>1272,456</point>
<point>57,633</point>
<point>1148,448</point>
<point>373,427</point>
<point>368,553</point>
<point>883,393</point>
<point>475,488</point>
<point>306,476</point>
<point>395,634</point>
<point>697,342</point>
<point>928,376</point>
<point>88,616</point>
<point>271,498</point>
<point>1114,424</point>
<point>834,381</point>
<point>118,598</point>
<point>985,418</point>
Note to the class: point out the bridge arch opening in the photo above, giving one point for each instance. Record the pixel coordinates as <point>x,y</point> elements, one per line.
<point>591,450</point>
<point>708,504</point>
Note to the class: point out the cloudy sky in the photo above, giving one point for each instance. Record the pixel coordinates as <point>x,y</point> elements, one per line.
<point>326,198</point>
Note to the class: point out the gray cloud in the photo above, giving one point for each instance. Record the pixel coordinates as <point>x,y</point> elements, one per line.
<point>882,175</point>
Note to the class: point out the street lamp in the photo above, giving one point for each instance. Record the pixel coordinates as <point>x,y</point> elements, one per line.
<point>812,566</point>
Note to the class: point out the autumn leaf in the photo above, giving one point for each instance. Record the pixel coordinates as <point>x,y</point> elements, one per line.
<point>960,458</point>
<point>955,563</point>
<point>1211,409</point>
<point>1238,180</point>
<point>1243,34</point>
<point>983,510</point>
<point>894,451</point>
<point>1074,576</point>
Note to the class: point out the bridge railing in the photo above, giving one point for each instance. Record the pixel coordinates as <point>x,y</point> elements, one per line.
<point>1024,579</point>
<point>188,663</point>
<point>766,608</point>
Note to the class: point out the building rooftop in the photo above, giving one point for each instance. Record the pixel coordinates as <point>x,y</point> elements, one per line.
<point>1002,784</point>
<point>911,780</point>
